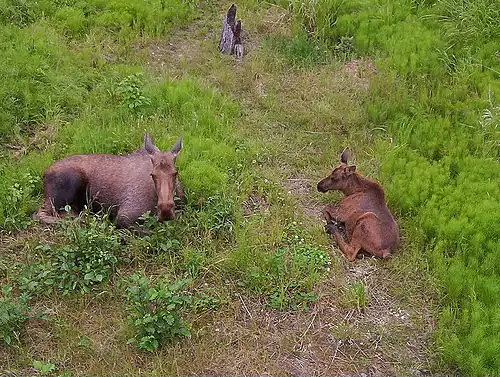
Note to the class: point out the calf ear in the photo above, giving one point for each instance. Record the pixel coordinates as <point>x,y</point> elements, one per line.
<point>350,169</point>
<point>177,147</point>
<point>345,156</point>
<point>148,144</point>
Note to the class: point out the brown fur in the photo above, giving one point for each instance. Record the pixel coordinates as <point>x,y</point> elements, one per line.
<point>368,222</point>
<point>126,186</point>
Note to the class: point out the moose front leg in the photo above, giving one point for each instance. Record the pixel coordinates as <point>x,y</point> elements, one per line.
<point>333,219</point>
<point>331,213</point>
<point>350,250</point>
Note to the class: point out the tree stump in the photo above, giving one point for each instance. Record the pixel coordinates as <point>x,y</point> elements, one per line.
<point>230,40</point>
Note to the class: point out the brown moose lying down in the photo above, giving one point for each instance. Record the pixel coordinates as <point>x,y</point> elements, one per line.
<point>126,186</point>
<point>363,213</point>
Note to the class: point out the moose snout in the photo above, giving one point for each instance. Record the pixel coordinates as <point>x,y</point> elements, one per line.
<point>166,211</point>
<point>322,187</point>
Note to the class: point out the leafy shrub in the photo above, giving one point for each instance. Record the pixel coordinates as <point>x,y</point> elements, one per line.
<point>14,311</point>
<point>87,256</point>
<point>158,236</point>
<point>17,201</point>
<point>130,92</point>
<point>155,311</point>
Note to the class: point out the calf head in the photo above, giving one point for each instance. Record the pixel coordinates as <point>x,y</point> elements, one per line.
<point>339,177</point>
<point>164,175</point>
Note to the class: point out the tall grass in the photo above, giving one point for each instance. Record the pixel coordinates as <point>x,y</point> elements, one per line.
<point>436,95</point>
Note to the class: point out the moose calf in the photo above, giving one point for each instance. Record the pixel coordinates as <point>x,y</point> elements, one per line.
<point>126,186</point>
<point>368,222</point>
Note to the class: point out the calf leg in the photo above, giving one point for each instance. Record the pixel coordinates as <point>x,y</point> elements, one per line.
<point>331,213</point>
<point>350,249</point>
<point>333,220</point>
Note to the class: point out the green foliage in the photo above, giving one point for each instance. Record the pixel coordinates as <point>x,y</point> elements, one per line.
<point>41,80</point>
<point>130,92</point>
<point>14,311</point>
<point>288,275</point>
<point>155,311</point>
<point>76,18</point>
<point>355,295</point>
<point>298,50</point>
<point>44,368</point>
<point>158,236</point>
<point>17,201</point>
<point>216,217</point>
<point>86,256</point>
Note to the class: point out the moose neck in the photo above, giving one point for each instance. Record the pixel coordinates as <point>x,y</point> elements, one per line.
<point>357,183</point>
<point>354,183</point>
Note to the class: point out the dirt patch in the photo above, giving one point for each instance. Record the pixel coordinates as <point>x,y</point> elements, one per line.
<point>303,188</point>
<point>362,70</point>
<point>255,204</point>
<point>330,339</point>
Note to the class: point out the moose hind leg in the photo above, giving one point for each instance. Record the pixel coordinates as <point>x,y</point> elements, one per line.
<point>47,213</point>
<point>66,187</point>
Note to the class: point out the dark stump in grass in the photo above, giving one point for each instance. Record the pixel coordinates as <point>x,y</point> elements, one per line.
<point>230,40</point>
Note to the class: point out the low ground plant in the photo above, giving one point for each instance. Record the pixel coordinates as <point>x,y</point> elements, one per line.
<point>155,311</point>
<point>288,275</point>
<point>14,312</point>
<point>86,255</point>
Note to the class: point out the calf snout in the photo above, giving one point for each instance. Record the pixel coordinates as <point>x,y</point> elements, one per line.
<point>322,186</point>
<point>166,211</point>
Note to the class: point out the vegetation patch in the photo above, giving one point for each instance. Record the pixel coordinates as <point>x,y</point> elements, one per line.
<point>245,271</point>
<point>434,87</point>
<point>154,311</point>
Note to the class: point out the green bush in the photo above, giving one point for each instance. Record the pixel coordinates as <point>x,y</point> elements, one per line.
<point>87,256</point>
<point>155,311</point>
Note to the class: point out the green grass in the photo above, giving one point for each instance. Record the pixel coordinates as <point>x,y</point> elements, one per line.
<point>244,280</point>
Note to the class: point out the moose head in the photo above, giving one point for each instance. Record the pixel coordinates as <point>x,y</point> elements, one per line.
<point>164,175</point>
<point>339,178</point>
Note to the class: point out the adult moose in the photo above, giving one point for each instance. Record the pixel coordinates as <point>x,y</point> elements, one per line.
<point>368,222</point>
<point>127,186</point>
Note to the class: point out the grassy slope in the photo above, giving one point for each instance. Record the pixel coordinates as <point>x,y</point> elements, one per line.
<point>436,103</point>
<point>287,118</point>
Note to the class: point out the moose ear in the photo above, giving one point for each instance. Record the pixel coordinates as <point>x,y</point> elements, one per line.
<point>350,169</point>
<point>177,147</point>
<point>345,156</point>
<point>148,144</point>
